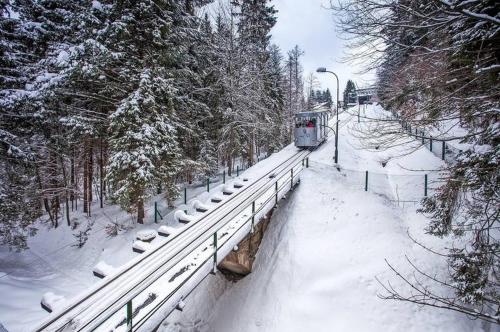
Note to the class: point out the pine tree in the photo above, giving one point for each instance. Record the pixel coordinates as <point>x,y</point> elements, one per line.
<point>255,20</point>
<point>349,93</point>
<point>327,99</point>
<point>275,135</point>
<point>294,87</point>
<point>143,143</point>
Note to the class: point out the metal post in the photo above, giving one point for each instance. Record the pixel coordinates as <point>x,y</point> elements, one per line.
<point>253,217</point>
<point>291,179</point>
<point>156,212</point>
<point>276,190</point>
<point>215,253</point>
<point>443,148</point>
<point>238,170</point>
<point>129,315</point>
<point>366,181</point>
<point>425,185</point>
<point>307,162</point>
<point>185,195</point>
<point>208,184</point>
<point>323,70</point>
<point>430,143</point>
<point>224,176</point>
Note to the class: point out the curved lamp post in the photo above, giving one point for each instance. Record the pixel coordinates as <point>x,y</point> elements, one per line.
<point>323,70</point>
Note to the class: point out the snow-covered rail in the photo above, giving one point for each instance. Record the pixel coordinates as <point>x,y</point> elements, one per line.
<point>173,268</point>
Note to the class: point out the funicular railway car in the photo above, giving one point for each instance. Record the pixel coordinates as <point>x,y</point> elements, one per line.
<point>310,129</point>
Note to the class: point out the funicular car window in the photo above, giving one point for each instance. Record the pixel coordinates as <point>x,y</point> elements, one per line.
<point>306,121</point>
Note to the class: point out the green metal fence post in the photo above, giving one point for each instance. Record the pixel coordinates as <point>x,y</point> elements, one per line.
<point>307,162</point>
<point>430,143</point>
<point>129,315</point>
<point>238,170</point>
<point>366,181</point>
<point>224,176</point>
<point>156,212</point>
<point>253,217</point>
<point>185,195</point>
<point>215,253</point>
<point>208,184</point>
<point>425,185</point>
<point>443,148</point>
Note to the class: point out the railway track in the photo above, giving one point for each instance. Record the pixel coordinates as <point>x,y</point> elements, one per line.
<point>88,311</point>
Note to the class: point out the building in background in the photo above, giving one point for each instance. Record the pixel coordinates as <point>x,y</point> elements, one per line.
<point>367,95</point>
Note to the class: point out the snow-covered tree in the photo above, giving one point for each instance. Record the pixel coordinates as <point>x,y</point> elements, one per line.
<point>349,93</point>
<point>143,143</point>
<point>438,68</point>
<point>133,95</point>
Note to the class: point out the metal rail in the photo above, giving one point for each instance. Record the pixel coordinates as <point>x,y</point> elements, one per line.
<point>262,206</point>
<point>140,273</point>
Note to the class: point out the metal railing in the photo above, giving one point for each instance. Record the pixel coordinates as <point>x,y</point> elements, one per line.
<point>119,290</point>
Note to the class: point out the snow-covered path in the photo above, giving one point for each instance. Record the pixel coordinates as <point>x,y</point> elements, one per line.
<point>326,245</point>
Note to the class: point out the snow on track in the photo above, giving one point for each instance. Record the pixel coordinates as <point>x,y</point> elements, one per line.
<point>161,259</point>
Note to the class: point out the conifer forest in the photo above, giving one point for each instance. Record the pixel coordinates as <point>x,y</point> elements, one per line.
<point>250,165</point>
<point>121,99</point>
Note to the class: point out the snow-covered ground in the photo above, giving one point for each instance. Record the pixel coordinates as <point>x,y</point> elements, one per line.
<point>54,269</point>
<point>317,267</point>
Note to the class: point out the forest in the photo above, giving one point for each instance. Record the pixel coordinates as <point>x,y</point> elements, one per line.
<point>117,100</point>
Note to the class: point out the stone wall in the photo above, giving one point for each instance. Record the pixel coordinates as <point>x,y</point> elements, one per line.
<point>239,262</point>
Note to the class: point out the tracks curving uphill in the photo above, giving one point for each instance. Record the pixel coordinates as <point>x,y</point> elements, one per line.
<point>88,311</point>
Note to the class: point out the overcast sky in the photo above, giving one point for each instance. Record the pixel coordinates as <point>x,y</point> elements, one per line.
<point>310,25</point>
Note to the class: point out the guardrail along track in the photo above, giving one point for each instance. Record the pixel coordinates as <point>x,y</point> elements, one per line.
<point>89,310</point>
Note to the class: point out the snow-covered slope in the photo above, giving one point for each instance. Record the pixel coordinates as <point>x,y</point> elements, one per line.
<point>324,249</point>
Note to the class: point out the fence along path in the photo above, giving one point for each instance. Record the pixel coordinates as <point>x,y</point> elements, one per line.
<point>401,189</point>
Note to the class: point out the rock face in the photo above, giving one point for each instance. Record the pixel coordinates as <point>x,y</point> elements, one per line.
<point>239,262</point>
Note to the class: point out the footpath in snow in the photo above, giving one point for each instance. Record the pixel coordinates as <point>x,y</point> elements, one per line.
<point>327,243</point>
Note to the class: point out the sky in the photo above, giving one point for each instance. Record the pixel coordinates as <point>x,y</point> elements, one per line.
<point>309,24</point>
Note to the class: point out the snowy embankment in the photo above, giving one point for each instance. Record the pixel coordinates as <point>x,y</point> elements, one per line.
<point>325,248</point>
<point>53,264</point>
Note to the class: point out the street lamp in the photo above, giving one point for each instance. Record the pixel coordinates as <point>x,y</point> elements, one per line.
<point>323,70</point>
